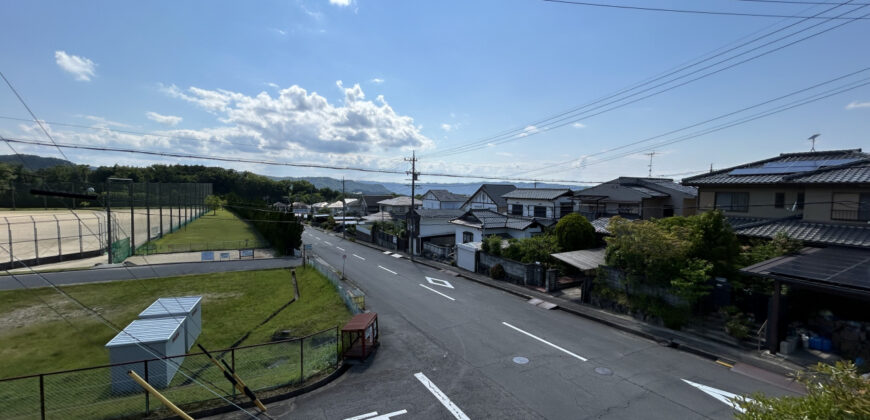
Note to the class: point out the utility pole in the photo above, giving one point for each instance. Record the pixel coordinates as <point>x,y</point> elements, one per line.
<point>650,154</point>
<point>343,215</point>
<point>410,223</point>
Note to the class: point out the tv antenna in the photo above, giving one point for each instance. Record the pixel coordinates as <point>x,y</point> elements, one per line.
<point>813,139</point>
<point>650,154</point>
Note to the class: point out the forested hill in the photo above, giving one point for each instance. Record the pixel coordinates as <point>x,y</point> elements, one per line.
<point>350,187</point>
<point>33,162</point>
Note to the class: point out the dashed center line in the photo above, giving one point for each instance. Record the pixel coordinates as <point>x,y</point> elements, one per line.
<point>328,243</point>
<point>442,294</point>
<point>359,257</point>
<point>387,269</point>
<point>340,248</point>
<point>545,342</point>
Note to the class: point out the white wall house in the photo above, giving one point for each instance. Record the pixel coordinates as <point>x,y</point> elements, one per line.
<point>442,199</point>
<point>547,203</point>
<point>475,225</point>
<point>489,196</point>
<point>398,205</point>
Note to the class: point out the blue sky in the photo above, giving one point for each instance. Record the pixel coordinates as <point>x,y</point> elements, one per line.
<point>363,82</point>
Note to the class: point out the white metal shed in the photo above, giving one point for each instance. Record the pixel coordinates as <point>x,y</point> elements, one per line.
<point>146,339</point>
<point>466,255</point>
<point>179,307</point>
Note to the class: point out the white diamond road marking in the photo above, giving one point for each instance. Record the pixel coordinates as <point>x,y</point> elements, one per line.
<point>369,416</point>
<point>439,282</point>
<point>452,408</point>
<point>723,396</point>
<point>396,255</point>
<point>429,288</point>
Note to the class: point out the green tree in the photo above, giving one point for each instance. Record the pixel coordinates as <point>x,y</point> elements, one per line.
<point>574,232</point>
<point>534,249</point>
<point>213,202</point>
<point>833,393</point>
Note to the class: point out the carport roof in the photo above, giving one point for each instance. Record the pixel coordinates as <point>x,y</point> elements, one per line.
<point>836,269</point>
<point>585,259</point>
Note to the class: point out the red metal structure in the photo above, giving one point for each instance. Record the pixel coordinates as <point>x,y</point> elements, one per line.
<point>359,336</point>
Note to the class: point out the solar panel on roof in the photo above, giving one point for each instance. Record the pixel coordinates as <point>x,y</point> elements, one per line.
<point>775,168</point>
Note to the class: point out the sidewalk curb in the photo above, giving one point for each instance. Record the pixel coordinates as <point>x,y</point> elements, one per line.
<point>672,340</point>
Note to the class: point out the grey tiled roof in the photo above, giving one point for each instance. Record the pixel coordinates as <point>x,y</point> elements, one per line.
<point>495,193</point>
<point>737,222</point>
<point>600,224</point>
<point>487,219</point>
<point>811,232</point>
<point>858,172</point>
<point>647,191</point>
<point>444,195</point>
<point>669,184</point>
<point>537,193</point>
<point>440,213</point>
<point>723,176</point>
<point>400,201</point>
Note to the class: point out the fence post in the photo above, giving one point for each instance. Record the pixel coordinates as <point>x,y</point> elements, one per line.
<point>338,344</point>
<point>160,208</point>
<point>35,240</point>
<point>233,364</point>
<point>132,221</point>
<point>81,245</point>
<point>147,216</point>
<point>147,394</point>
<point>9,233</point>
<point>42,396</point>
<point>59,248</point>
<point>302,360</point>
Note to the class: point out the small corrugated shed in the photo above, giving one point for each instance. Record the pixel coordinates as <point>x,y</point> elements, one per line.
<point>586,259</point>
<point>179,307</point>
<point>146,339</point>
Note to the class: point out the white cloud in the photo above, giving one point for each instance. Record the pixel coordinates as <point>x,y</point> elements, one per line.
<point>578,125</point>
<point>272,85</point>
<point>301,121</point>
<point>340,3</point>
<point>102,122</point>
<point>530,129</point>
<point>163,119</point>
<point>377,80</point>
<point>446,127</point>
<point>80,67</point>
<point>856,105</point>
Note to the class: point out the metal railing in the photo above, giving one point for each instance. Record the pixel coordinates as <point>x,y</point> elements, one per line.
<point>107,392</point>
<point>353,298</point>
<point>762,331</point>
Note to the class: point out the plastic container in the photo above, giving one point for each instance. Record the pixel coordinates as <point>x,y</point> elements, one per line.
<point>825,345</point>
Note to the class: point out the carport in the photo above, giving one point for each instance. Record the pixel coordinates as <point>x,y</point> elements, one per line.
<point>587,262</point>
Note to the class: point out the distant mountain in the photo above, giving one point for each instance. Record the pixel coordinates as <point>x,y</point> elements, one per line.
<point>33,162</point>
<point>351,187</point>
<point>466,188</point>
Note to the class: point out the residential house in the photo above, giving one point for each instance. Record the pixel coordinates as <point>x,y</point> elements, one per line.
<point>637,198</point>
<point>279,206</point>
<point>319,207</point>
<point>821,198</point>
<point>300,209</point>
<point>550,203</point>
<point>433,226</point>
<point>350,205</point>
<point>369,203</point>
<point>489,196</point>
<point>443,199</point>
<point>398,205</point>
<point>476,224</point>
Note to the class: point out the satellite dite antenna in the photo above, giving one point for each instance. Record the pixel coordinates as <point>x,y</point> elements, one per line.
<point>813,139</point>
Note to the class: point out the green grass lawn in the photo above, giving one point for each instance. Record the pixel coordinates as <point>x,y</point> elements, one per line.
<point>212,229</point>
<point>36,340</point>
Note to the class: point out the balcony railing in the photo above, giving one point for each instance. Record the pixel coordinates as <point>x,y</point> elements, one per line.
<point>851,215</point>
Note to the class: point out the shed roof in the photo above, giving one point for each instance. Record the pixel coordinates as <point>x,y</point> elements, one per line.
<point>537,193</point>
<point>142,331</point>
<point>584,259</point>
<point>360,322</point>
<point>172,306</point>
<point>810,232</point>
<point>834,268</point>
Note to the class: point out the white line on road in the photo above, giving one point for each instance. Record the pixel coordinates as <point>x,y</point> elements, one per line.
<point>328,243</point>
<point>387,269</point>
<point>452,408</point>
<point>340,248</point>
<point>363,416</point>
<point>359,257</point>
<point>396,255</point>
<point>388,252</point>
<point>545,342</point>
<point>442,294</point>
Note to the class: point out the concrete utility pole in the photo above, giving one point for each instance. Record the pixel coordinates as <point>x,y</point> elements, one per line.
<point>410,223</point>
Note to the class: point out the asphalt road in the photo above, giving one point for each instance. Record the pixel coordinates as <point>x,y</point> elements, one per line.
<point>95,275</point>
<point>493,355</point>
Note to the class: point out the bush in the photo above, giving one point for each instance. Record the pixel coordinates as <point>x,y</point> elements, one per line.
<point>574,232</point>
<point>497,272</point>
<point>492,245</point>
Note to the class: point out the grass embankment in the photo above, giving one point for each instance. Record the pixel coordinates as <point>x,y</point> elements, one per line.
<point>210,231</point>
<point>36,340</point>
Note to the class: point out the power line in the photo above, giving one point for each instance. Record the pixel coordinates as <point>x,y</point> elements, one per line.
<point>700,12</point>
<point>800,2</point>
<point>573,116</point>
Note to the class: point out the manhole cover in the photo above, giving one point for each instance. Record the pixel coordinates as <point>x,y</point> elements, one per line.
<point>603,371</point>
<point>520,360</point>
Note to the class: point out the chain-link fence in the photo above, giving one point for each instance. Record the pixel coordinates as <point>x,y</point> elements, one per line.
<point>353,297</point>
<point>40,229</point>
<point>104,392</point>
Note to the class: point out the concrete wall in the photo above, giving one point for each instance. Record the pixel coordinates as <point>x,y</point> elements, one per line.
<point>517,272</point>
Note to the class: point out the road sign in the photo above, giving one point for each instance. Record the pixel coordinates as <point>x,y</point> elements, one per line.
<point>307,247</point>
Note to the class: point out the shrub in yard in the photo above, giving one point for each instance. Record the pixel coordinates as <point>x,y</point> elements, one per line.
<point>497,272</point>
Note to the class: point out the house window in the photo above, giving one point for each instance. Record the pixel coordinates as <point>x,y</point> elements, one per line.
<point>467,237</point>
<point>517,209</point>
<point>668,211</point>
<point>800,201</point>
<point>851,207</point>
<point>540,211</point>
<point>732,201</point>
<point>779,200</point>
<point>628,209</point>
<point>565,209</point>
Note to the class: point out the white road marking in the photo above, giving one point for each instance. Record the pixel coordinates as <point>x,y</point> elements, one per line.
<point>439,282</point>
<point>316,237</point>
<point>387,269</point>
<point>359,257</point>
<point>396,255</point>
<point>452,408</point>
<point>328,243</point>
<point>369,416</point>
<point>723,396</point>
<point>545,342</point>
<point>388,252</point>
<point>442,294</point>
<point>340,248</point>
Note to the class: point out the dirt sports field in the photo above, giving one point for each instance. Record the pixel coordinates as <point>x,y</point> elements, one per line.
<point>24,233</point>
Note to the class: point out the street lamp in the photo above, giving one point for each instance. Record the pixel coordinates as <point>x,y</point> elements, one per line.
<point>109,211</point>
